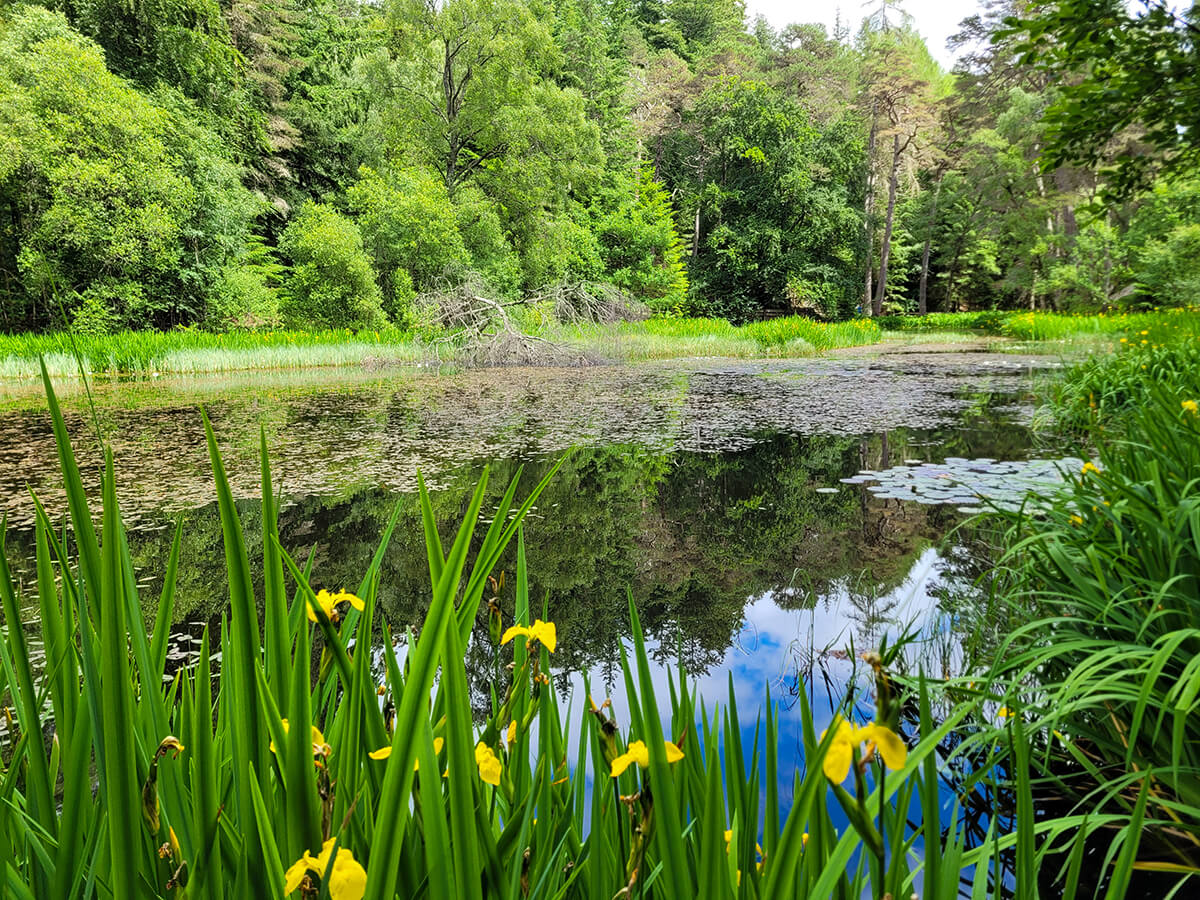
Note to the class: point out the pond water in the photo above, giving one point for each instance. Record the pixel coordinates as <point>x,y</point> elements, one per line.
<point>713,490</point>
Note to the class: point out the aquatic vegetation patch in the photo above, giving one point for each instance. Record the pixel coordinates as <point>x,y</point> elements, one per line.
<point>970,484</point>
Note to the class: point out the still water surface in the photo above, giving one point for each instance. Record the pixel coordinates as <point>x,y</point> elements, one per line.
<point>710,489</point>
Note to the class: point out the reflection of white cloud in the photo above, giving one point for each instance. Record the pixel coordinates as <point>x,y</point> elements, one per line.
<point>774,641</point>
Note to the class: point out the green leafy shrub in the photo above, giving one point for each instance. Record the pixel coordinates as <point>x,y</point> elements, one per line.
<point>563,251</point>
<point>246,294</point>
<point>1168,272</point>
<point>641,248</point>
<point>409,228</point>
<point>492,254</point>
<point>110,184</point>
<point>98,309</point>
<point>330,283</point>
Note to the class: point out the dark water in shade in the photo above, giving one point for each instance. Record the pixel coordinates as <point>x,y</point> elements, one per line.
<point>709,489</point>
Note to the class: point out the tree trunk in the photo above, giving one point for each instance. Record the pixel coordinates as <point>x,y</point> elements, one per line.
<point>885,248</point>
<point>869,209</point>
<point>923,291</point>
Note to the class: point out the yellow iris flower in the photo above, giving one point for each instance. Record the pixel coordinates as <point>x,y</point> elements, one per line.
<point>330,602</point>
<point>543,632</point>
<point>512,733</point>
<point>1089,467</point>
<point>489,764</point>
<point>385,752</point>
<point>639,753</point>
<point>320,748</point>
<point>847,737</point>
<point>1190,406</point>
<point>347,880</point>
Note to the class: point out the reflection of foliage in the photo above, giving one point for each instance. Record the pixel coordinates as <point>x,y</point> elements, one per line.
<point>692,535</point>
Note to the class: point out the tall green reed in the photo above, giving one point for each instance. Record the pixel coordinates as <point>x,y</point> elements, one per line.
<point>1104,668</point>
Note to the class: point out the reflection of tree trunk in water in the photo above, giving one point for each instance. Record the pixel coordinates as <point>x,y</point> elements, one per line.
<point>922,292</point>
<point>863,447</point>
<point>869,209</point>
<point>885,247</point>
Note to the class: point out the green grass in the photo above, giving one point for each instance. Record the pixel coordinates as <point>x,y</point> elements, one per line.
<point>1101,391</point>
<point>201,791</point>
<point>145,353</point>
<point>791,336</point>
<point>148,353</point>
<point>1044,326</point>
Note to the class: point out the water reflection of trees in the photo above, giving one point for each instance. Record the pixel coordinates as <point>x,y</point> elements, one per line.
<point>692,535</point>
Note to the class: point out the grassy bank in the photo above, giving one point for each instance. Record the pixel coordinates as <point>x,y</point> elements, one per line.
<point>1099,594</point>
<point>1044,326</point>
<point>147,353</point>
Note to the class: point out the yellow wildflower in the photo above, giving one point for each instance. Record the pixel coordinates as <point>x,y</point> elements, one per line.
<point>1190,406</point>
<point>347,879</point>
<point>386,751</point>
<point>1076,520</point>
<point>320,748</point>
<point>512,732</point>
<point>329,604</point>
<point>1089,467</point>
<point>847,737</point>
<point>538,631</point>
<point>640,754</point>
<point>1004,713</point>
<point>489,764</point>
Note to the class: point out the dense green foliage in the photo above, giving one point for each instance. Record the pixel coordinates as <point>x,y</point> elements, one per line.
<point>180,162</point>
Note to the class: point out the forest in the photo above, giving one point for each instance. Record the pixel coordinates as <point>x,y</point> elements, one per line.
<point>258,164</point>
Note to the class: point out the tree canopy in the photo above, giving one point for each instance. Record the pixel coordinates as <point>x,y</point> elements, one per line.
<point>183,162</point>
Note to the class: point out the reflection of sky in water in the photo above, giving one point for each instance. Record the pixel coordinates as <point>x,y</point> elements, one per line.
<point>784,648</point>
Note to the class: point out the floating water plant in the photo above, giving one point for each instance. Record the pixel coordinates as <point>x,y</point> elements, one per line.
<point>969,484</point>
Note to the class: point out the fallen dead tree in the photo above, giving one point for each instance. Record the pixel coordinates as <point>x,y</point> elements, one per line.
<point>589,303</point>
<point>480,330</point>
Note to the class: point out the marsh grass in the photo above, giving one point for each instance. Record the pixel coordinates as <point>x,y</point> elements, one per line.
<point>117,783</point>
<point>145,353</point>
<point>1046,326</point>
<point>790,336</point>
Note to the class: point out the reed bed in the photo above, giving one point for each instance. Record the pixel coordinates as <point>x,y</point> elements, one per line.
<point>145,353</point>
<point>790,336</point>
<point>321,752</point>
